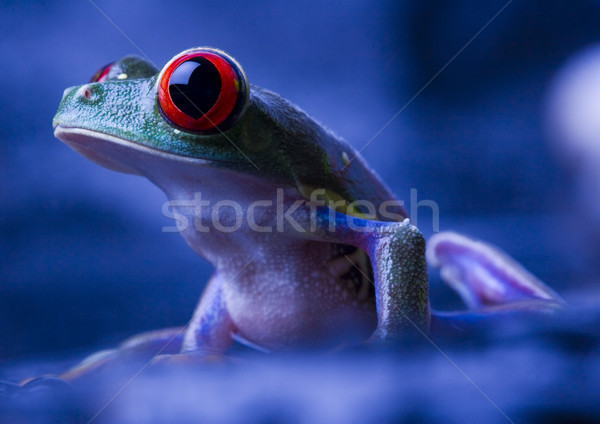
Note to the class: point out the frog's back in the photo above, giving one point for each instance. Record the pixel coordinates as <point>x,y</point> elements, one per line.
<point>320,159</point>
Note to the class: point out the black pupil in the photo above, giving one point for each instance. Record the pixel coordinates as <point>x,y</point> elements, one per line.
<point>195,86</point>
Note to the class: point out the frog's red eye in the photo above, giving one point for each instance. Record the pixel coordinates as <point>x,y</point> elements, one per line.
<point>203,90</point>
<point>102,73</point>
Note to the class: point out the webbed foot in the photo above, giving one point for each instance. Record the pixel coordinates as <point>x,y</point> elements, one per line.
<point>8,389</point>
<point>187,359</point>
<point>487,278</point>
<point>39,385</point>
<point>140,348</point>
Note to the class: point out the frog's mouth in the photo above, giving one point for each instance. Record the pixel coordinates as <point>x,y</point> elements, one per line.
<point>116,153</point>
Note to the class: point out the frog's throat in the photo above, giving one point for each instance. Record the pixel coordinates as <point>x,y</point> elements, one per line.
<point>115,153</point>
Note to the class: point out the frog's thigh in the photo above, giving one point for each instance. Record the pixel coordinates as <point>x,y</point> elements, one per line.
<point>211,326</point>
<point>483,275</point>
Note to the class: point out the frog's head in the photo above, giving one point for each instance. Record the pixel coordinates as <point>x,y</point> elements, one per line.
<point>199,111</point>
<point>182,111</point>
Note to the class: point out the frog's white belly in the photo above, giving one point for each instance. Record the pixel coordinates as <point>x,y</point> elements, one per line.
<point>292,301</point>
<point>279,289</point>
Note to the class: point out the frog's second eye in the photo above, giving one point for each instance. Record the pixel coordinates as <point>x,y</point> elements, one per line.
<point>203,90</point>
<point>102,73</point>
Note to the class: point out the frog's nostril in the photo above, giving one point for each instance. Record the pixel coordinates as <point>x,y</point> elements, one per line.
<point>85,91</point>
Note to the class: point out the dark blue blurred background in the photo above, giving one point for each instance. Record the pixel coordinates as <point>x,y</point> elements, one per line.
<point>83,260</point>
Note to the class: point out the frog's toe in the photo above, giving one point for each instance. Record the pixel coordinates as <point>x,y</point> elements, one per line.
<point>187,359</point>
<point>38,385</point>
<point>483,275</point>
<point>50,384</point>
<point>8,389</point>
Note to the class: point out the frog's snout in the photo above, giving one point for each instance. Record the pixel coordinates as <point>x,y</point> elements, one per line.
<point>86,92</point>
<point>67,92</point>
<point>73,98</point>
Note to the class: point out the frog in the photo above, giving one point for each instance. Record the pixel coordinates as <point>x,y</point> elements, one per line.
<point>310,247</point>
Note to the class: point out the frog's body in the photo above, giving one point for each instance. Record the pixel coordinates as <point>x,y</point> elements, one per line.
<point>281,282</point>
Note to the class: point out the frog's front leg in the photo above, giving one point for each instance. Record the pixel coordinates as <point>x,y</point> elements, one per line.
<point>397,253</point>
<point>211,327</point>
<point>401,281</point>
<point>209,331</point>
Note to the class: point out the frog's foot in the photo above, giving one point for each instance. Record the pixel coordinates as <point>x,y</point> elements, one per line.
<point>142,347</point>
<point>8,389</point>
<point>186,359</point>
<point>487,278</point>
<point>32,386</point>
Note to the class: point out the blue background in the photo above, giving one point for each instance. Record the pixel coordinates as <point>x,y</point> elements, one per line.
<point>83,261</point>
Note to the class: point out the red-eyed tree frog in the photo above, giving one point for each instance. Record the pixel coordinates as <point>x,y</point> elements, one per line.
<point>310,247</point>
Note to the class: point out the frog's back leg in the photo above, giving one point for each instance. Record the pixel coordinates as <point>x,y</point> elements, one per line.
<point>487,278</point>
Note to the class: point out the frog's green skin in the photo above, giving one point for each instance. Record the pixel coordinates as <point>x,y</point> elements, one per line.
<point>276,290</point>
